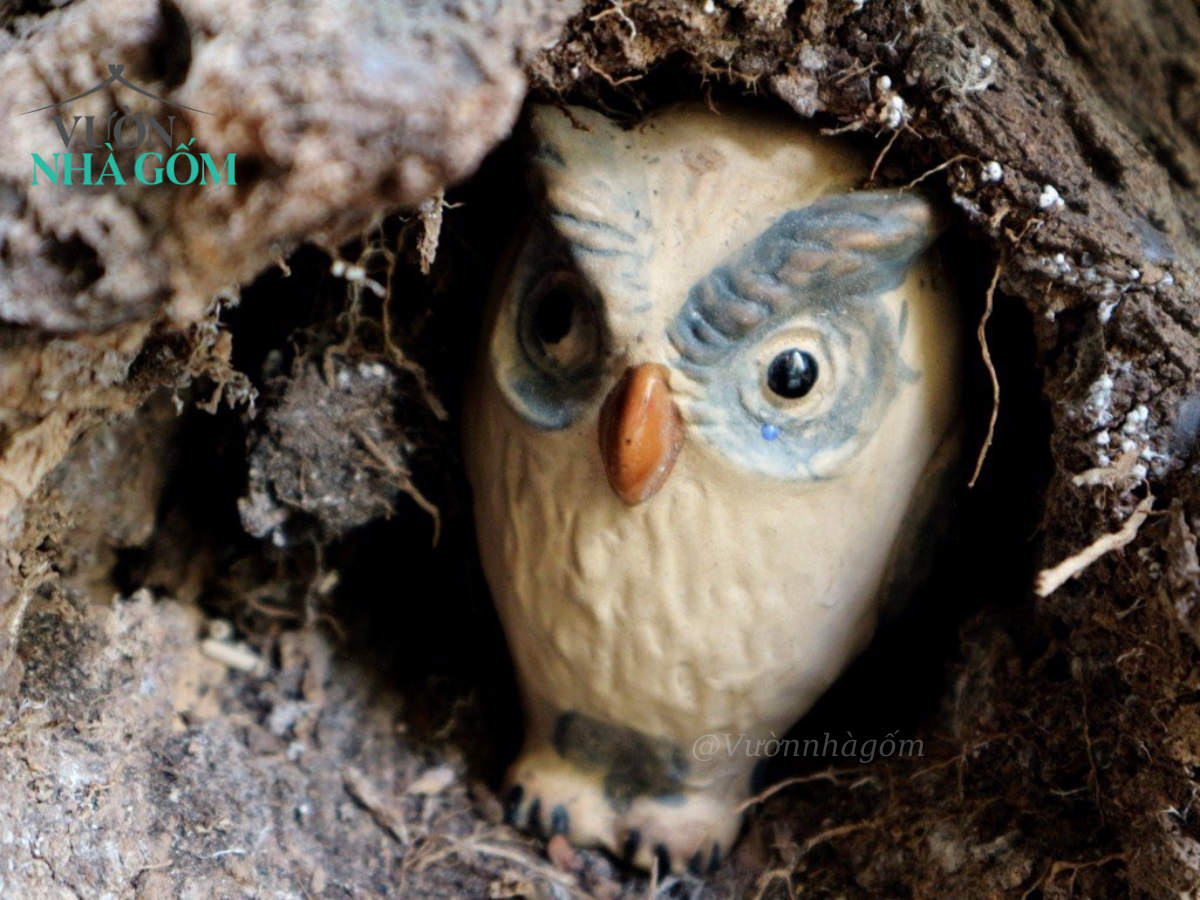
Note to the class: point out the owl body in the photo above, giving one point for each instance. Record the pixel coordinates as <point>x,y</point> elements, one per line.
<point>713,385</point>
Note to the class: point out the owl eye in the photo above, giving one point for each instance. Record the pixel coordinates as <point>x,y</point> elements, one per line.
<point>560,331</point>
<point>792,373</point>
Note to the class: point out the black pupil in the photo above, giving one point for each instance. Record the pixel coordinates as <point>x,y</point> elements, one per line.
<point>552,321</point>
<point>792,373</point>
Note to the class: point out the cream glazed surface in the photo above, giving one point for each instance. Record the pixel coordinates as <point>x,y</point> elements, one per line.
<point>717,387</point>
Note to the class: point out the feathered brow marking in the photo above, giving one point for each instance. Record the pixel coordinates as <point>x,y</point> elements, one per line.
<point>595,215</point>
<point>841,251</point>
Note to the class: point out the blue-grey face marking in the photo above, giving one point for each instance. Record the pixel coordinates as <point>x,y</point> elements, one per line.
<point>805,290</point>
<point>810,283</point>
<point>557,325</point>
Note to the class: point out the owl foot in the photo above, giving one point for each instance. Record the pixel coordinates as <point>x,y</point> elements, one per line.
<point>684,832</point>
<point>687,833</point>
<point>549,796</point>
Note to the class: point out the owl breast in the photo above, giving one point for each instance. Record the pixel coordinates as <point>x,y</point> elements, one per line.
<point>700,611</point>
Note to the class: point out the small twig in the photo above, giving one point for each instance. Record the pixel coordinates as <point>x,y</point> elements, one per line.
<point>1109,475</point>
<point>388,818</point>
<point>987,361</point>
<point>882,155</point>
<point>430,215</point>
<point>1050,580</point>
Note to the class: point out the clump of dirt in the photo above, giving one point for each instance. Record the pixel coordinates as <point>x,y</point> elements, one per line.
<point>330,448</point>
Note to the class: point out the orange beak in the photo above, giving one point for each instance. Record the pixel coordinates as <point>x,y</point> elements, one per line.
<point>641,433</point>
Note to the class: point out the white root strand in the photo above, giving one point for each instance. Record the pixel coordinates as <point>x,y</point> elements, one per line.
<point>1050,580</point>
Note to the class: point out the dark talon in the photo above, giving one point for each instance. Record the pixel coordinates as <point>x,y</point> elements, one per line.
<point>560,822</point>
<point>714,859</point>
<point>633,840</point>
<point>664,860</point>
<point>512,804</point>
<point>696,863</point>
<point>535,817</point>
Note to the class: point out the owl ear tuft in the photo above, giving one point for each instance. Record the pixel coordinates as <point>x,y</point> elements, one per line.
<point>571,134</point>
<point>858,243</point>
<point>585,176</point>
<point>842,251</point>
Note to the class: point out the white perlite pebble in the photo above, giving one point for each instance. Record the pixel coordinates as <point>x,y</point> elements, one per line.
<point>895,112</point>
<point>1105,310</point>
<point>1050,198</point>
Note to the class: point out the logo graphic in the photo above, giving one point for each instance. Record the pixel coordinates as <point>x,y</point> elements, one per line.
<point>115,76</point>
<point>128,131</point>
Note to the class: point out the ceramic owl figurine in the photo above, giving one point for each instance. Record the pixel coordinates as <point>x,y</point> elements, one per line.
<point>716,389</point>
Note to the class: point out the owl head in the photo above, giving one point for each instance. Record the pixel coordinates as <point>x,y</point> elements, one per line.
<point>712,278</point>
<point>713,381</point>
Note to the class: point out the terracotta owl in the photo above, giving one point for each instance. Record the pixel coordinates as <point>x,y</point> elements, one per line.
<point>716,390</point>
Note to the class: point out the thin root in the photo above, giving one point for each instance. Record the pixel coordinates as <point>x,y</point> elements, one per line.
<point>951,161</point>
<point>827,775</point>
<point>838,831</point>
<point>883,155</point>
<point>1063,865</point>
<point>991,368</point>
<point>613,82</point>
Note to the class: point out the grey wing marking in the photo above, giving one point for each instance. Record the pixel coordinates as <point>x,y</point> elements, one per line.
<point>840,251</point>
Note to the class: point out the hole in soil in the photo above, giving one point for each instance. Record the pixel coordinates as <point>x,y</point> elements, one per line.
<point>421,619</point>
<point>171,50</point>
<point>78,261</point>
<point>415,618</point>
